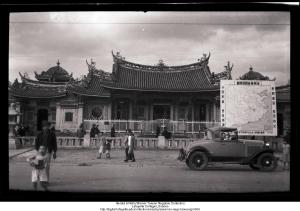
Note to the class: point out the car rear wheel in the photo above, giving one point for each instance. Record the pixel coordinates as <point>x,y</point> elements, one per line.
<point>197,160</point>
<point>267,162</point>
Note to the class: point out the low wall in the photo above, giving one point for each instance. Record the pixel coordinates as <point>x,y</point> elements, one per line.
<point>116,142</point>
<point>119,142</point>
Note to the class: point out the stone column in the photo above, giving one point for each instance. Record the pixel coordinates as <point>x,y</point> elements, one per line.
<point>80,114</point>
<point>109,111</point>
<point>86,139</point>
<point>58,116</point>
<point>18,109</point>
<point>162,142</point>
<point>214,112</point>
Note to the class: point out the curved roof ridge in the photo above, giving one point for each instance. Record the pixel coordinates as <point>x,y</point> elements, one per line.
<point>41,83</point>
<point>162,67</point>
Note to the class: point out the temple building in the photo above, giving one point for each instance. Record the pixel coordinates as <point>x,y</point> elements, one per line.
<point>130,92</point>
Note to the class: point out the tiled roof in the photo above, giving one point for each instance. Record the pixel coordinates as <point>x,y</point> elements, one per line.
<point>92,87</point>
<point>192,80</point>
<point>187,78</point>
<point>29,90</point>
<point>56,73</point>
<point>39,89</point>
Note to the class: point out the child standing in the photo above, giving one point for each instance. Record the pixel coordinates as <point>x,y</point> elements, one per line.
<point>37,161</point>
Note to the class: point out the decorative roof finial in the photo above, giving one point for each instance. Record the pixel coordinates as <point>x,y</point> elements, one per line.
<point>58,63</point>
<point>93,64</point>
<point>251,68</point>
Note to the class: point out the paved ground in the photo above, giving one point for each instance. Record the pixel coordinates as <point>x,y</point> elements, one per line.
<point>154,171</point>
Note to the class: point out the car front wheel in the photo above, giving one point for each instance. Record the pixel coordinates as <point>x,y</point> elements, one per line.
<point>267,162</point>
<point>197,160</point>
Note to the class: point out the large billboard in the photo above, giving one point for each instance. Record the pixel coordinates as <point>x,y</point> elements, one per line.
<point>250,106</point>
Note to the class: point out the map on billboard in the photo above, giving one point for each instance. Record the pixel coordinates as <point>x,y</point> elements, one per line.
<point>250,106</point>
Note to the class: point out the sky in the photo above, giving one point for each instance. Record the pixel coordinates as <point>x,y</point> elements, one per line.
<point>261,39</point>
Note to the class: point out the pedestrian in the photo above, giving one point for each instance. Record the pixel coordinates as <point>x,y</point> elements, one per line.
<point>52,127</point>
<point>48,139</point>
<point>131,141</point>
<point>112,131</point>
<point>126,145</point>
<point>157,131</point>
<point>102,146</point>
<point>38,174</point>
<point>286,155</point>
<point>81,131</point>
<point>94,131</point>
<point>108,148</point>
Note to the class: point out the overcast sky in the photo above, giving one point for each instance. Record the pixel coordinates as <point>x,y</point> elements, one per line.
<point>260,39</point>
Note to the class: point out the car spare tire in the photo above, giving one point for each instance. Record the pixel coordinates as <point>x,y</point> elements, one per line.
<point>197,160</point>
<point>267,162</point>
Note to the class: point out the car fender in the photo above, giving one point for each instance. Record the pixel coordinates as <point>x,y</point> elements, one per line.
<point>197,148</point>
<point>258,153</point>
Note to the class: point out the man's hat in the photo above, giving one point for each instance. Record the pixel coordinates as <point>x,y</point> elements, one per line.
<point>45,123</point>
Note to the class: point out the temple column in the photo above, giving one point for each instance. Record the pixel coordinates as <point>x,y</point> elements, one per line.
<point>214,112</point>
<point>130,109</point>
<point>58,116</point>
<point>80,114</point>
<point>109,111</point>
<point>207,112</point>
<point>18,109</point>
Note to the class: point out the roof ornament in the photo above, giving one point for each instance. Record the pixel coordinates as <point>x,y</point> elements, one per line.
<point>26,75</point>
<point>93,64</point>
<point>118,55</point>
<point>58,63</point>
<point>228,70</point>
<point>204,58</point>
<point>251,68</point>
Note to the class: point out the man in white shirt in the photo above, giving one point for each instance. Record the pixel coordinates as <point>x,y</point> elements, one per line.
<point>129,144</point>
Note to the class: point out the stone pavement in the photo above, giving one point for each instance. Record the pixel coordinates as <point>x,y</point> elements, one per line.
<point>81,157</point>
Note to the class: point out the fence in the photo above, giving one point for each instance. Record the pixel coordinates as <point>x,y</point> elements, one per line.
<point>29,141</point>
<point>116,142</point>
<point>149,127</point>
<point>119,142</point>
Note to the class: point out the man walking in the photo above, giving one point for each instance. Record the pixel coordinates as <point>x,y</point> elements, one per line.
<point>48,139</point>
<point>130,147</point>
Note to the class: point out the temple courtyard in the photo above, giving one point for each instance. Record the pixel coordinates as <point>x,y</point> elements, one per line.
<point>79,170</point>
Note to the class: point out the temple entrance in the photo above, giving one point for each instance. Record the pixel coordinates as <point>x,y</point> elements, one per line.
<point>161,111</point>
<point>200,113</point>
<point>122,111</point>
<point>41,115</point>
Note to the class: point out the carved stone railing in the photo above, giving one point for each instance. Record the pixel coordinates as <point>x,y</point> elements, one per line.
<point>69,142</point>
<point>119,142</point>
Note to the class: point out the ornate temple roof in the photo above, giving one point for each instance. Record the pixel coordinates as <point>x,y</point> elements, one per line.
<point>252,75</point>
<point>54,74</point>
<point>126,75</point>
<point>89,86</point>
<point>132,76</point>
<point>29,89</point>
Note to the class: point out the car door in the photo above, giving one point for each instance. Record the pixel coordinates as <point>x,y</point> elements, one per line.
<point>231,150</point>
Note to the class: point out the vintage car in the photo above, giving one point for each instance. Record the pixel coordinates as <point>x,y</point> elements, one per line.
<point>222,144</point>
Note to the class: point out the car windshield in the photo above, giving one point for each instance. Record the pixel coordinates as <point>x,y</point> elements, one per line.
<point>229,135</point>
